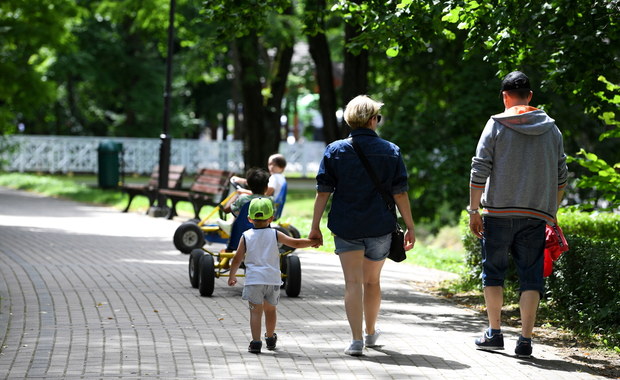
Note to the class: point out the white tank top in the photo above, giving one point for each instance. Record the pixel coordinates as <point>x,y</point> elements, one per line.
<point>276,181</point>
<point>262,257</point>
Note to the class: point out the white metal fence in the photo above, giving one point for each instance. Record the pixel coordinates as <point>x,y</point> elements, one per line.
<point>65,154</point>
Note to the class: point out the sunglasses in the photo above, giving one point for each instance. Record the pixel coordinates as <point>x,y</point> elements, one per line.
<point>378,118</point>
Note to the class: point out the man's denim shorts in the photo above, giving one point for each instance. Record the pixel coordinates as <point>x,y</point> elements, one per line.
<point>524,240</point>
<point>256,294</point>
<point>375,248</point>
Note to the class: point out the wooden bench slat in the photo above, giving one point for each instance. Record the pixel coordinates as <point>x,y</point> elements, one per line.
<point>150,190</point>
<point>209,187</point>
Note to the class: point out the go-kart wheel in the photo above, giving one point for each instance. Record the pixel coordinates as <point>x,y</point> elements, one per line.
<point>207,276</point>
<point>283,266</point>
<point>294,231</point>
<point>194,267</point>
<point>284,248</point>
<point>292,286</point>
<point>188,237</point>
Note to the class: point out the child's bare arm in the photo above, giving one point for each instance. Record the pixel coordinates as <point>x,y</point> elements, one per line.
<point>296,243</point>
<point>236,262</point>
<point>239,180</point>
<point>227,208</point>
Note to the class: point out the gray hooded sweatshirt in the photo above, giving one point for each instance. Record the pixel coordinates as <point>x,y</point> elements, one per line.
<point>520,164</point>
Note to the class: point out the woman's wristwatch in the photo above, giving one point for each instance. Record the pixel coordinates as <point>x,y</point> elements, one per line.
<point>470,211</point>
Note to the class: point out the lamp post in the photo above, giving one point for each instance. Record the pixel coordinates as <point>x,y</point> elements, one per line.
<point>160,209</point>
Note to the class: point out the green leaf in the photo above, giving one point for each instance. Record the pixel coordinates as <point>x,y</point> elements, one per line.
<point>404,4</point>
<point>472,5</point>
<point>392,51</point>
<point>590,156</point>
<point>449,34</point>
<point>607,172</point>
<point>452,16</point>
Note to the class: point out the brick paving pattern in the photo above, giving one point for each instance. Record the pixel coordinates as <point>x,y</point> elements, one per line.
<point>88,292</point>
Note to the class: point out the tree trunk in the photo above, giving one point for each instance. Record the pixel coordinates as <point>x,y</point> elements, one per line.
<point>282,66</point>
<point>319,50</point>
<point>355,78</point>
<point>236,107</point>
<point>255,145</point>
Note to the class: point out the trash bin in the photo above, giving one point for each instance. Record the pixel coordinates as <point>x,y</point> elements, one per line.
<point>109,163</point>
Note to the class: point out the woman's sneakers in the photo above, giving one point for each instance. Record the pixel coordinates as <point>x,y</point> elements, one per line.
<point>371,340</point>
<point>491,340</point>
<point>356,348</point>
<point>524,348</point>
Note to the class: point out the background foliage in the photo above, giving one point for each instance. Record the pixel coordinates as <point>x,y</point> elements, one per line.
<point>97,68</point>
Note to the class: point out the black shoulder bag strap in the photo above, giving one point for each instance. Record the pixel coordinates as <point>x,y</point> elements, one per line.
<point>387,197</point>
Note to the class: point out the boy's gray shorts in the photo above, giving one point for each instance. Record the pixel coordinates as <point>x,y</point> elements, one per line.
<point>256,294</point>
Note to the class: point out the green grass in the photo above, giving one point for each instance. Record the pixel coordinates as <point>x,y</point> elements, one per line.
<point>427,256</point>
<point>429,252</point>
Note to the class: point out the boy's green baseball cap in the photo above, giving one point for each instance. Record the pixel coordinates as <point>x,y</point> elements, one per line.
<point>261,209</point>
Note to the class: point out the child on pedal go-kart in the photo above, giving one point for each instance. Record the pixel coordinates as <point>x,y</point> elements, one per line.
<point>257,180</point>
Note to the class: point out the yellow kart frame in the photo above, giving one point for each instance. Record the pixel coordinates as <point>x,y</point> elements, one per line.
<point>206,265</point>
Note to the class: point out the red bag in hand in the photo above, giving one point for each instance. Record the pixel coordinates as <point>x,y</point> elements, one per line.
<point>555,245</point>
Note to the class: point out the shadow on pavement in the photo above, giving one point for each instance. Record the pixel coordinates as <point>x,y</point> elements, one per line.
<point>415,360</point>
<point>546,364</point>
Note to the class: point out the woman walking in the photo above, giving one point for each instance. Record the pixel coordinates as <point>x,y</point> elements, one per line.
<point>359,218</point>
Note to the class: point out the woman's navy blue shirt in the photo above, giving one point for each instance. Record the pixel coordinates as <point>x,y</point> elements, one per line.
<point>357,209</point>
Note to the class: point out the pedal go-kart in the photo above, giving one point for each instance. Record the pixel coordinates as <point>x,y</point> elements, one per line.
<point>206,265</point>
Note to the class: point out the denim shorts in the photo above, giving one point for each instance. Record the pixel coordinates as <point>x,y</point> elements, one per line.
<point>524,239</point>
<point>375,248</point>
<point>256,294</point>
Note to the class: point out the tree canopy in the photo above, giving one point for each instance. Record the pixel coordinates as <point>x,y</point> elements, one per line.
<point>97,68</point>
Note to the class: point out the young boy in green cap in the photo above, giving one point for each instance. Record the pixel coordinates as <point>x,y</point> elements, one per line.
<point>258,248</point>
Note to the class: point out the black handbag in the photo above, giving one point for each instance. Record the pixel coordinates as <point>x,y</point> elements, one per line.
<point>397,247</point>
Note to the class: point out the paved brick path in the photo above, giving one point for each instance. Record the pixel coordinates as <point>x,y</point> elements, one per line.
<point>88,292</point>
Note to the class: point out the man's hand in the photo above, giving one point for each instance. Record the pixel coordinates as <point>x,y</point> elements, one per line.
<point>232,280</point>
<point>475,225</point>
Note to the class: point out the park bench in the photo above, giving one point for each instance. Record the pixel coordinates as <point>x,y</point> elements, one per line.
<point>149,190</point>
<point>209,188</point>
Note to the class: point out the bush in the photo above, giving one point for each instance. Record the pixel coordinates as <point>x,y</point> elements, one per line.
<point>584,289</point>
<point>583,292</point>
<point>594,225</point>
<point>473,258</point>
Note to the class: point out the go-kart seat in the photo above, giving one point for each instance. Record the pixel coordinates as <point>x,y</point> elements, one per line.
<point>279,202</point>
<point>239,226</point>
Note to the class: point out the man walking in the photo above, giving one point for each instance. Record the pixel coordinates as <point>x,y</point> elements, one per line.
<point>518,176</point>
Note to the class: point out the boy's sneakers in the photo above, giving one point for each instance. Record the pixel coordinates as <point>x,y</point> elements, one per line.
<point>524,348</point>
<point>255,346</point>
<point>356,348</point>
<point>490,342</point>
<point>271,342</point>
<point>371,340</point>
